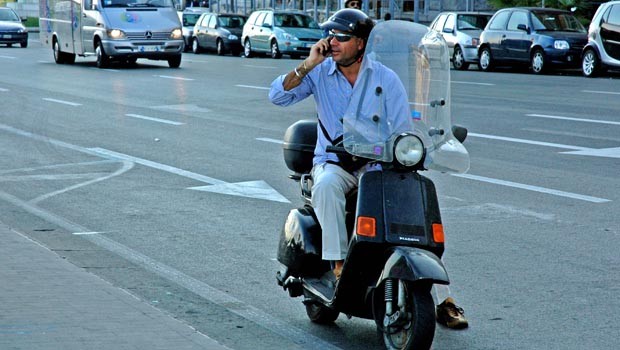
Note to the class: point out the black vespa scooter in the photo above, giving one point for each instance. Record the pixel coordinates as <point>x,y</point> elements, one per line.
<point>396,233</point>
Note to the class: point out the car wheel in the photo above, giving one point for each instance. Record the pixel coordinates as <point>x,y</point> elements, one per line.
<point>103,61</point>
<point>458,59</point>
<point>538,62</point>
<point>590,64</point>
<point>196,47</point>
<point>174,62</point>
<point>24,44</point>
<point>187,47</point>
<point>247,49</point>
<point>275,51</point>
<point>221,50</point>
<point>485,62</point>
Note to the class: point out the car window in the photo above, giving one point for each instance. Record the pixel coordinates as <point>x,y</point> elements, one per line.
<point>290,20</point>
<point>614,15</point>
<point>231,21</point>
<point>467,22</point>
<point>268,19</point>
<point>9,15</point>
<point>260,18</point>
<point>449,26</point>
<point>498,22</point>
<point>440,22</point>
<point>553,21</point>
<point>253,17</point>
<point>212,22</point>
<point>517,17</point>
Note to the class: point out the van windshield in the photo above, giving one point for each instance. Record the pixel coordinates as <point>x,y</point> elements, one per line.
<point>137,3</point>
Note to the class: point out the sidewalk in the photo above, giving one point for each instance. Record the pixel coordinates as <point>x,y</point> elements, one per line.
<point>49,303</point>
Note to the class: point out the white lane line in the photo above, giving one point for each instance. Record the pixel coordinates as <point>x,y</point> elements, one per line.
<point>573,119</point>
<point>253,87</point>
<point>472,83</point>
<point>214,295</point>
<point>176,78</point>
<point>4,90</point>
<point>52,177</point>
<point>266,139</point>
<point>8,57</point>
<point>601,92</point>
<point>534,188</point>
<point>87,233</point>
<point>165,121</point>
<point>530,142</point>
<point>62,102</point>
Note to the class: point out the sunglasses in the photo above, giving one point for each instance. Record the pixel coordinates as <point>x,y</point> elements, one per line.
<point>340,37</point>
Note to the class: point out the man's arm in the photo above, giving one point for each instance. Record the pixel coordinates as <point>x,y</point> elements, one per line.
<point>294,78</point>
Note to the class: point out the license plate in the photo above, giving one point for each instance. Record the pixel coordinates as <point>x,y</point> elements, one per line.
<point>149,48</point>
<point>7,36</point>
<point>308,44</point>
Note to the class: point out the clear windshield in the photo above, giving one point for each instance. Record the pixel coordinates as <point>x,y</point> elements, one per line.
<point>376,115</point>
<point>553,21</point>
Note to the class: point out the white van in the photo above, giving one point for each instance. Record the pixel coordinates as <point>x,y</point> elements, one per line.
<point>113,30</point>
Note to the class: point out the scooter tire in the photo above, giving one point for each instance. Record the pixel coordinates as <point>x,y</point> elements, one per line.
<point>419,333</point>
<point>320,314</point>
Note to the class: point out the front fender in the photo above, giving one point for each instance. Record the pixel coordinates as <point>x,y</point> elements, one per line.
<point>414,264</point>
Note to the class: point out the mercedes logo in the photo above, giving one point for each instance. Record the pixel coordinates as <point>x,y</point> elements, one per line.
<point>148,34</point>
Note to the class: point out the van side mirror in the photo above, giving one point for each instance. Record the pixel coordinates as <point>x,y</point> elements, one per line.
<point>523,27</point>
<point>459,132</point>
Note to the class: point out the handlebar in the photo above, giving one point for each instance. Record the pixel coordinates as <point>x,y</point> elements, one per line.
<point>336,149</point>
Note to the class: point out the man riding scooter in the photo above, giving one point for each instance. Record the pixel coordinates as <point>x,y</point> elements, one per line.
<point>330,74</point>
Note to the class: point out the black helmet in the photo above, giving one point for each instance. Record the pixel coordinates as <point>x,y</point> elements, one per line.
<point>350,20</point>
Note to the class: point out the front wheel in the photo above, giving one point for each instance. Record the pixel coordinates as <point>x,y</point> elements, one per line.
<point>458,59</point>
<point>412,322</point>
<point>175,61</point>
<point>539,64</point>
<point>103,61</point>
<point>275,50</point>
<point>590,64</point>
<point>247,48</point>
<point>486,60</point>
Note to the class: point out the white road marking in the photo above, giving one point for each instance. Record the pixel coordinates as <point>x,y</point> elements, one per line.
<point>4,90</point>
<point>75,104</point>
<point>87,233</point>
<point>472,83</point>
<point>253,87</point>
<point>214,295</point>
<point>534,188</point>
<point>573,119</point>
<point>8,57</point>
<point>184,108</point>
<point>266,139</point>
<point>601,92</point>
<point>39,177</point>
<point>603,152</point>
<point>165,121</point>
<point>170,77</point>
<point>531,142</point>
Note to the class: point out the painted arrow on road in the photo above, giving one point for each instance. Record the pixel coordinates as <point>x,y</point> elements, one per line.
<point>251,189</point>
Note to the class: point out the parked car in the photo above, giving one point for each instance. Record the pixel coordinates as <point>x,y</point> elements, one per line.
<point>188,18</point>
<point>12,30</point>
<point>603,48</point>
<point>219,32</point>
<point>542,37</point>
<point>462,33</point>
<point>279,32</point>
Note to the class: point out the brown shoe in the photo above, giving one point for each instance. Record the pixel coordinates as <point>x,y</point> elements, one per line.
<point>338,268</point>
<point>450,315</point>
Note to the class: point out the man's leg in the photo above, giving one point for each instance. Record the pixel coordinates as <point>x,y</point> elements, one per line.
<point>330,185</point>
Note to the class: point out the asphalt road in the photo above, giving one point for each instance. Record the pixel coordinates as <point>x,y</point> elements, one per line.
<point>170,184</point>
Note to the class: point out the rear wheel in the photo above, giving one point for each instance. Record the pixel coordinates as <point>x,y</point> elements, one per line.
<point>174,62</point>
<point>247,48</point>
<point>538,62</point>
<point>412,325</point>
<point>458,59</point>
<point>485,62</point>
<point>590,64</point>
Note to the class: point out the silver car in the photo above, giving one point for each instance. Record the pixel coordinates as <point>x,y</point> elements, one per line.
<point>462,33</point>
<point>279,32</point>
<point>603,48</point>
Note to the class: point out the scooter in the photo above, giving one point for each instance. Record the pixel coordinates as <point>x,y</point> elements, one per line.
<point>396,233</point>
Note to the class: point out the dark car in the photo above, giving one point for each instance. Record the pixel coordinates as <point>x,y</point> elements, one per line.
<point>603,49</point>
<point>542,37</point>
<point>220,32</point>
<point>12,31</point>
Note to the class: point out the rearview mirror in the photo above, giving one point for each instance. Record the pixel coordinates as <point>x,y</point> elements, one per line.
<point>523,27</point>
<point>459,132</point>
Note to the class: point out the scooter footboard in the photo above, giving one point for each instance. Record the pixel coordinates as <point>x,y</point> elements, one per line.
<point>414,264</point>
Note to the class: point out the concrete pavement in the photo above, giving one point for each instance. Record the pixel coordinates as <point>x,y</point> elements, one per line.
<point>49,303</point>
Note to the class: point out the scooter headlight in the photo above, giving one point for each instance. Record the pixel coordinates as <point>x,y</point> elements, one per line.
<point>408,150</point>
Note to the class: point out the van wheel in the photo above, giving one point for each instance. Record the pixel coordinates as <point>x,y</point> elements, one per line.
<point>485,62</point>
<point>59,58</point>
<point>275,51</point>
<point>174,62</point>
<point>247,49</point>
<point>24,44</point>
<point>538,62</point>
<point>103,61</point>
<point>590,64</point>
<point>458,59</point>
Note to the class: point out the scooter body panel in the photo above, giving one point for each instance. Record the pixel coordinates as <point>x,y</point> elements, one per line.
<point>414,264</point>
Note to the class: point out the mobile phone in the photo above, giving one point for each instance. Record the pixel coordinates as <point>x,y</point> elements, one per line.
<point>328,51</point>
